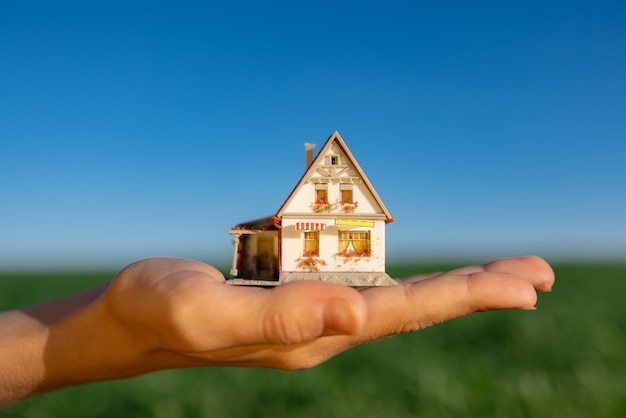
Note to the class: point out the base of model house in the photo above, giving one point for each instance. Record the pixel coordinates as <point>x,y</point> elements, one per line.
<point>348,279</point>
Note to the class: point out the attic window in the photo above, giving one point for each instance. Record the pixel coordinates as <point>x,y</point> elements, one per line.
<point>333,160</point>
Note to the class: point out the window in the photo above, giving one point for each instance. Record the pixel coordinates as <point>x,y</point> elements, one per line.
<point>321,192</point>
<point>355,243</point>
<point>332,160</point>
<point>346,192</point>
<point>311,244</point>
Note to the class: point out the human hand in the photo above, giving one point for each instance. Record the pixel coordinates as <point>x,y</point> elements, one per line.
<point>165,313</point>
<point>178,313</point>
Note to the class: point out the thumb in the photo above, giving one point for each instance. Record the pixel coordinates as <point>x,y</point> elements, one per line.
<point>292,313</point>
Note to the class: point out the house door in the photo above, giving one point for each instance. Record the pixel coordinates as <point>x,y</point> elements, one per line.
<point>266,257</point>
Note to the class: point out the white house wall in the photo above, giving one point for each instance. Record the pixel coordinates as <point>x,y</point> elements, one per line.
<point>328,261</point>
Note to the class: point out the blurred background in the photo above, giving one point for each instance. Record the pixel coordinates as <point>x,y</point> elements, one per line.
<point>489,129</point>
<point>151,128</point>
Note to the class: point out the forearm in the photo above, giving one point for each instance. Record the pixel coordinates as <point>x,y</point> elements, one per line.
<point>58,344</point>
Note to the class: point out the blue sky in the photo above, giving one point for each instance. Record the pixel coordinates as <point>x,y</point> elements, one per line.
<point>137,129</point>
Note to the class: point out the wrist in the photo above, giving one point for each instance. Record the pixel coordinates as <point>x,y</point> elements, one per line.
<point>22,344</point>
<point>86,343</point>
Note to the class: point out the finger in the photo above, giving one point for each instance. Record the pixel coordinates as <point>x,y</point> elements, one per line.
<point>414,306</point>
<point>536,270</point>
<point>460,270</point>
<point>288,314</point>
<point>419,277</point>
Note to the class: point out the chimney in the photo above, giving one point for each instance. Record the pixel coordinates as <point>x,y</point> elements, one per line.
<point>308,154</point>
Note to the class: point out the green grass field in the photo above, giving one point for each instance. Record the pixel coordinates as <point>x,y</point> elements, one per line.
<point>567,359</point>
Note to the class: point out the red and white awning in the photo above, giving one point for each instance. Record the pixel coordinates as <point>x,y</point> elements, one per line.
<point>310,226</point>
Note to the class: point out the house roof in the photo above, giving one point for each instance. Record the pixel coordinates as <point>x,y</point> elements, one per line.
<point>335,138</point>
<point>262,224</point>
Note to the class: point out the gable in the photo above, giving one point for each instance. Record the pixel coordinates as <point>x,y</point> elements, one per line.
<point>335,170</point>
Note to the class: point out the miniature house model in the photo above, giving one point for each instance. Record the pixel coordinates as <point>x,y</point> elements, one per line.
<point>330,228</point>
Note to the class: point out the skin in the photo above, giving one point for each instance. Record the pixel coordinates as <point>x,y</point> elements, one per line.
<point>163,313</point>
